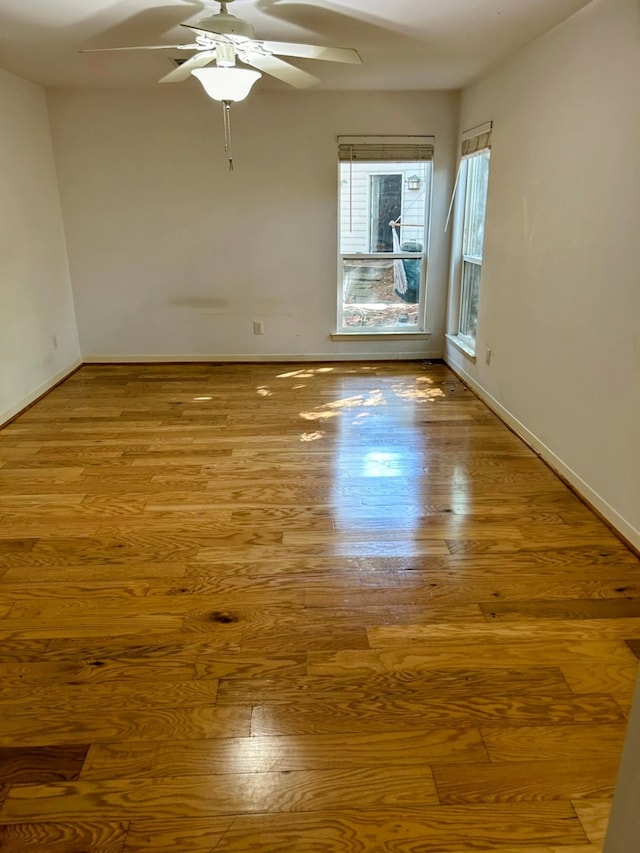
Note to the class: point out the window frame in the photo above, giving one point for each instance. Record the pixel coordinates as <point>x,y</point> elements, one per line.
<point>478,144</point>
<point>410,330</point>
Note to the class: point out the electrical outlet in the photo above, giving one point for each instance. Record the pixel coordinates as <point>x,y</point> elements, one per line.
<point>487,355</point>
<point>258,327</point>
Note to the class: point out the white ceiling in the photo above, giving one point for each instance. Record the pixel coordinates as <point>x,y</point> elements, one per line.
<point>404,44</point>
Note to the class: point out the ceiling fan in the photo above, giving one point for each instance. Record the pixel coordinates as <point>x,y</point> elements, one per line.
<point>223,38</point>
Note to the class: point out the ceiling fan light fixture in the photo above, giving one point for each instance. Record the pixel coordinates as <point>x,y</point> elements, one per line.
<point>226,84</point>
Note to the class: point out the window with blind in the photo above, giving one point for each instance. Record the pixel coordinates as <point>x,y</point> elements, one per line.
<point>473,185</point>
<point>384,201</point>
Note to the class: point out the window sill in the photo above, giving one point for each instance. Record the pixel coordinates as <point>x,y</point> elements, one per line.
<point>371,336</point>
<point>460,344</point>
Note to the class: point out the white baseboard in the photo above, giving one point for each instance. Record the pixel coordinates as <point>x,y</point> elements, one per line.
<point>617,521</point>
<point>253,357</point>
<point>42,389</point>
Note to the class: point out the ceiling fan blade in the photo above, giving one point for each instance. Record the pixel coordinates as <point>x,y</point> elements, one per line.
<point>313,51</point>
<point>208,33</point>
<point>278,68</point>
<point>183,72</point>
<point>143,47</point>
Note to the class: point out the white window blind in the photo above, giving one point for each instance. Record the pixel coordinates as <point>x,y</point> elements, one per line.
<point>473,142</point>
<point>394,149</point>
<point>476,140</point>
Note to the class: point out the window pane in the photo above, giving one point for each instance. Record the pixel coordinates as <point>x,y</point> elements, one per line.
<point>374,194</point>
<point>470,290</point>
<point>377,293</point>
<point>475,204</point>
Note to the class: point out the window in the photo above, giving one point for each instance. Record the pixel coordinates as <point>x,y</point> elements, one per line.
<point>471,204</point>
<point>385,192</point>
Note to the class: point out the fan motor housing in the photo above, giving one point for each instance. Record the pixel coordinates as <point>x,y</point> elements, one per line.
<point>226,25</point>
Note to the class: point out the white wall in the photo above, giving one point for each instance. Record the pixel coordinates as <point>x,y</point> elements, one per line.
<point>560,300</point>
<point>35,292</point>
<point>173,256</point>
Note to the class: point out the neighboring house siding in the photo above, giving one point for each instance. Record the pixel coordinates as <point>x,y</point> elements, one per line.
<point>357,239</point>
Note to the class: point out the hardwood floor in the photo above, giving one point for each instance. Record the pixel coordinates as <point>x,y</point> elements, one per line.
<point>301,608</point>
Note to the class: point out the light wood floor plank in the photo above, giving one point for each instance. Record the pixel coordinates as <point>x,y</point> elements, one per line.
<point>456,683</point>
<point>67,726</point>
<point>186,835</point>
<point>414,748</point>
<point>436,655</point>
<point>64,837</point>
<point>618,680</point>
<point>553,743</point>
<point>505,633</point>
<point>582,778</point>
<point>386,714</point>
<point>230,793</point>
<point>429,830</point>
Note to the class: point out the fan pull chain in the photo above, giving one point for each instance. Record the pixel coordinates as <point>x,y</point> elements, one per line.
<point>227,132</point>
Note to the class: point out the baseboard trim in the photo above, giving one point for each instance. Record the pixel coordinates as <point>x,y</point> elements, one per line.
<point>256,358</point>
<point>38,393</point>
<point>620,526</point>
